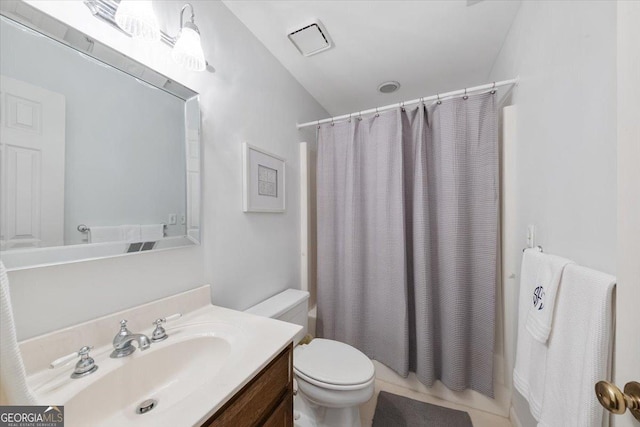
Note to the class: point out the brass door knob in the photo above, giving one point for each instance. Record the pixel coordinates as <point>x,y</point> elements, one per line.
<point>618,402</point>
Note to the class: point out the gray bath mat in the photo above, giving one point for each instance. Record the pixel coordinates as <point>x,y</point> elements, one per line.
<point>398,411</point>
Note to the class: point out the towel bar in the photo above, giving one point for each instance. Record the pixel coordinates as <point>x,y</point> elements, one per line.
<point>85,229</point>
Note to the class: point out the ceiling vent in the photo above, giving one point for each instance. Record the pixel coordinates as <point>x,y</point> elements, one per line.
<point>311,39</point>
<point>388,87</point>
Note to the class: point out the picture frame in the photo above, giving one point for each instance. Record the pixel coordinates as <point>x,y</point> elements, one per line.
<point>263,183</point>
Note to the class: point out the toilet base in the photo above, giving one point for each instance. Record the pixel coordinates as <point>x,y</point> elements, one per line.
<point>312,415</point>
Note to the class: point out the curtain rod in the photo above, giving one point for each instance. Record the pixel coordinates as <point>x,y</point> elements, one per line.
<point>413,101</point>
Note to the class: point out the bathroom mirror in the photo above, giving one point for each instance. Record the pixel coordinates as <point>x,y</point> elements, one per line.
<point>99,154</point>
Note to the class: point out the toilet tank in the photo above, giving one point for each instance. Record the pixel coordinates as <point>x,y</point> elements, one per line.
<point>289,306</point>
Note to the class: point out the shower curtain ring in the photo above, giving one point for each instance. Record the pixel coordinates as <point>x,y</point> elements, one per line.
<point>359,115</point>
<point>465,97</point>
<point>332,123</point>
<point>377,114</point>
<point>402,106</point>
<point>493,89</point>
<point>439,101</point>
<point>349,118</point>
<point>318,124</point>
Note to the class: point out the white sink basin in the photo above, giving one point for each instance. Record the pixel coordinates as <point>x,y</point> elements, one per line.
<point>168,372</point>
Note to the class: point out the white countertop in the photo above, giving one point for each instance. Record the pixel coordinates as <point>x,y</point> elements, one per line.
<point>254,342</point>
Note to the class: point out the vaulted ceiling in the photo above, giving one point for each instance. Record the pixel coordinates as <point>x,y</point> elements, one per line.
<point>427,46</point>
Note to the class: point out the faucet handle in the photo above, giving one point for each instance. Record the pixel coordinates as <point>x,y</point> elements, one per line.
<point>85,350</point>
<point>162,320</point>
<point>174,316</point>
<point>86,365</point>
<point>64,360</point>
<point>159,333</point>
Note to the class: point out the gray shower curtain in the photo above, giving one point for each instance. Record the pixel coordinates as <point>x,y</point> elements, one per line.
<point>408,226</point>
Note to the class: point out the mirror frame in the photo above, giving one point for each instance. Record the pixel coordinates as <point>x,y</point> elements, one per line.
<point>45,25</point>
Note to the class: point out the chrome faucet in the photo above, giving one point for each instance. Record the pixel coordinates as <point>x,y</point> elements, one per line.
<point>122,342</point>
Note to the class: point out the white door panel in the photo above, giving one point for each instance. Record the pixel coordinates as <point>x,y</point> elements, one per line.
<point>23,166</point>
<point>627,340</point>
<point>32,156</point>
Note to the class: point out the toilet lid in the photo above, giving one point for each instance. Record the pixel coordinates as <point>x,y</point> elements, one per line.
<point>332,362</point>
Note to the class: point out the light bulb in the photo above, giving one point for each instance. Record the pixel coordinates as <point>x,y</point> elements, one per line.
<point>136,18</point>
<point>188,49</point>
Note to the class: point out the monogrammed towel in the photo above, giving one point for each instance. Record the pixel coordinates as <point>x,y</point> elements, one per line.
<point>539,272</point>
<point>543,299</point>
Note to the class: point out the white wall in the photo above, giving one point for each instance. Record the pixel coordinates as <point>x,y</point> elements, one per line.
<point>124,156</point>
<point>565,55</point>
<point>246,257</point>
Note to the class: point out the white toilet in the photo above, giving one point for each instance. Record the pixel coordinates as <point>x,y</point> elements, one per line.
<point>333,378</point>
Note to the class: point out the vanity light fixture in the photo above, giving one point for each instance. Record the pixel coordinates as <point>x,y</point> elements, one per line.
<point>188,50</point>
<point>137,19</point>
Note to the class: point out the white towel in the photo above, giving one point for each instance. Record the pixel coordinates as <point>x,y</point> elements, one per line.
<point>13,383</point>
<point>131,233</point>
<point>151,232</point>
<point>531,355</point>
<point>115,233</point>
<point>579,349</point>
<point>98,234</point>
<point>543,299</point>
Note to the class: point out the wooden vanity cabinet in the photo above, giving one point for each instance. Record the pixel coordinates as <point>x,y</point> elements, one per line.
<point>267,400</point>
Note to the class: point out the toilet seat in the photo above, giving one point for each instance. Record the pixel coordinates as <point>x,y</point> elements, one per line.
<point>333,365</point>
<point>335,387</point>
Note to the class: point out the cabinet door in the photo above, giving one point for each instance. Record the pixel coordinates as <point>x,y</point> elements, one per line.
<point>257,400</point>
<point>282,416</point>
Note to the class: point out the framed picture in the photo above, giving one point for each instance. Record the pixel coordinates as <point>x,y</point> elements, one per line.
<point>263,180</point>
